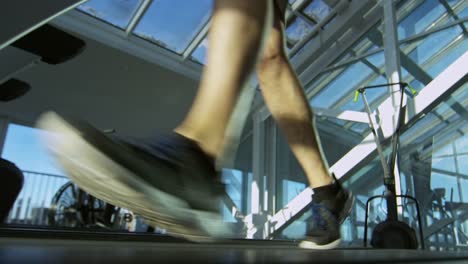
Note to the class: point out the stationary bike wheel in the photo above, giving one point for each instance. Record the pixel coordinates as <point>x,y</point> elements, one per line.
<point>64,207</point>
<point>392,234</point>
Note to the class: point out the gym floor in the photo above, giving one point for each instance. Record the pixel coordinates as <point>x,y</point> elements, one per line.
<point>45,246</point>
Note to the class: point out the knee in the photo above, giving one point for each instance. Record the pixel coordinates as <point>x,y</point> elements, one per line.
<point>271,62</point>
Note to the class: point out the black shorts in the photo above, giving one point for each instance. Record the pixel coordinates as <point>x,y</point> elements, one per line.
<point>280,8</point>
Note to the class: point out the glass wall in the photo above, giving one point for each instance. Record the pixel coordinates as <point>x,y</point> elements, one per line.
<point>432,35</point>
<point>48,198</point>
<point>434,154</point>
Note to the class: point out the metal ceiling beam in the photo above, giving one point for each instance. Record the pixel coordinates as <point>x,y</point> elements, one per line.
<point>138,16</point>
<point>406,61</point>
<point>19,18</point>
<point>347,18</point>
<point>452,13</point>
<point>407,40</point>
<point>14,61</point>
<point>409,64</point>
<point>202,34</point>
<point>347,115</point>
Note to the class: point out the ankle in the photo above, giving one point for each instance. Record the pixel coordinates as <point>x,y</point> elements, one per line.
<point>198,145</point>
<point>199,139</point>
<point>326,192</point>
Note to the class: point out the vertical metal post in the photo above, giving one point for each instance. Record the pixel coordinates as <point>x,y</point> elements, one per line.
<point>271,173</point>
<point>245,188</point>
<point>256,220</point>
<point>393,72</point>
<point>258,165</point>
<point>457,171</point>
<point>4,122</point>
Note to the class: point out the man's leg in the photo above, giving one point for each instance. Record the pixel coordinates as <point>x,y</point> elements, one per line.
<point>234,41</point>
<point>286,100</point>
<point>171,181</point>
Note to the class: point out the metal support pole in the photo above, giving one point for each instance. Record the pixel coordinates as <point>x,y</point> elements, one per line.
<point>4,122</point>
<point>258,165</point>
<point>255,221</point>
<point>271,174</point>
<point>393,72</point>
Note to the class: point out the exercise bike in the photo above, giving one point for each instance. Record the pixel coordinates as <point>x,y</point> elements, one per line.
<point>75,208</point>
<point>392,232</point>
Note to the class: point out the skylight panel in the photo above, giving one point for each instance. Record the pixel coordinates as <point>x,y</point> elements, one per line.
<point>174,23</point>
<point>317,10</point>
<point>341,86</point>
<point>420,19</point>
<point>115,12</point>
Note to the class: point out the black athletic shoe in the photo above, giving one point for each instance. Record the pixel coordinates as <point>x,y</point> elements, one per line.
<point>324,227</point>
<point>171,183</point>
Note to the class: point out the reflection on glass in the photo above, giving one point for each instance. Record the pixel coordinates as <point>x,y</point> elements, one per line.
<point>115,12</point>
<point>364,183</point>
<point>431,153</point>
<point>335,139</point>
<point>367,43</point>
<point>343,84</point>
<point>233,180</point>
<point>421,18</point>
<point>317,10</point>
<point>297,30</point>
<point>432,55</point>
<point>291,179</point>
<point>174,23</point>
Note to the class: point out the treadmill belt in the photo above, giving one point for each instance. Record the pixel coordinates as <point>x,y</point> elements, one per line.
<point>23,249</point>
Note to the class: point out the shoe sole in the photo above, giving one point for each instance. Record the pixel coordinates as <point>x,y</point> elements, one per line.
<point>102,177</point>
<point>334,244</point>
<point>311,245</point>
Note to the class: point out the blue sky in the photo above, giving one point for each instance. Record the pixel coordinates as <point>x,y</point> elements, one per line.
<point>162,19</point>
<point>22,145</point>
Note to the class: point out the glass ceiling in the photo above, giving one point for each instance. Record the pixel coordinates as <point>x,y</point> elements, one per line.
<point>115,12</point>
<point>180,27</point>
<point>177,25</point>
<point>423,57</point>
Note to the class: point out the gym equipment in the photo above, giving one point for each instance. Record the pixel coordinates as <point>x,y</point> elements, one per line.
<point>12,182</point>
<point>12,89</point>
<point>73,207</point>
<point>391,233</point>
